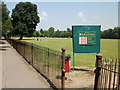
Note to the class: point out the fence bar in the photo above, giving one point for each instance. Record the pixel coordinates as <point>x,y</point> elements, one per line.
<point>110,75</point>
<point>119,74</point>
<point>114,75</point>
<point>32,57</point>
<point>63,68</point>
<point>103,74</point>
<point>48,62</point>
<point>102,80</point>
<point>106,74</point>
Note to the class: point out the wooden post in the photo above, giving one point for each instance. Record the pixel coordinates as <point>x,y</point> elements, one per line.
<point>97,70</point>
<point>63,69</point>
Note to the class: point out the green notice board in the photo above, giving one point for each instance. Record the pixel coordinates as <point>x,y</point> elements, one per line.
<point>86,38</point>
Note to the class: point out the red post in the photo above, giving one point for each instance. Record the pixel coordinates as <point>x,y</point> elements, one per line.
<point>67,66</point>
<point>67,63</point>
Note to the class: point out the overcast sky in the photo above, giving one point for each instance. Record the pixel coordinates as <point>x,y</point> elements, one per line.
<point>65,14</point>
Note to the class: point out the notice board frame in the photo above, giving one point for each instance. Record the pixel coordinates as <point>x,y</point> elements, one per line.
<point>86,48</point>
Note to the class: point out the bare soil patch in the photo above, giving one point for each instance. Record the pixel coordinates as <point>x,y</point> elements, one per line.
<point>82,77</point>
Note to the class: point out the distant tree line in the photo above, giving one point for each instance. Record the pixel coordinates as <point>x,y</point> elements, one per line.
<point>105,34</point>
<point>111,33</point>
<point>52,33</point>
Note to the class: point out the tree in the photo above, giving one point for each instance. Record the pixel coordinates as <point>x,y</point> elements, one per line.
<point>57,33</point>
<point>5,13</point>
<point>1,12</point>
<point>7,28</point>
<point>42,32</point>
<point>0,29</point>
<point>51,31</point>
<point>116,32</point>
<point>111,33</point>
<point>37,34</point>
<point>69,32</point>
<point>45,33</point>
<point>6,21</point>
<point>64,34</point>
<point>24,18</point>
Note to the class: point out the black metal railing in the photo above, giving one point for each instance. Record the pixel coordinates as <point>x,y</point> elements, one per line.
<point>43,59</point>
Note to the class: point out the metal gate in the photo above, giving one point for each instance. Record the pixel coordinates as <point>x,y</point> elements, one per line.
<point>107,74</point>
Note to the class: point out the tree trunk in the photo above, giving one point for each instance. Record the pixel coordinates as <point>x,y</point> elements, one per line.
<point>21,36</point>
<point>5,37</point>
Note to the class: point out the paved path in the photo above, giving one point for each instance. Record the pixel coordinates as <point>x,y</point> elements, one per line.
<point>16,72</point>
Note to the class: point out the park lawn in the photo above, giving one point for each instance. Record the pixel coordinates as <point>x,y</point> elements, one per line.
<point>109,49</point>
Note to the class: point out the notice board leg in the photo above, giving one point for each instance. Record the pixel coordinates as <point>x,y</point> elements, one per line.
<point>73,62</point>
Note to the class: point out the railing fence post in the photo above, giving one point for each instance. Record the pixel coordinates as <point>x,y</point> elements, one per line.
<point>97,71</point>
<point>48,61</point>
<point>63,69</point>
<point>32,55</point>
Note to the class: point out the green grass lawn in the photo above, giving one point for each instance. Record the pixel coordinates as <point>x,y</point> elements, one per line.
<point>109,49</point>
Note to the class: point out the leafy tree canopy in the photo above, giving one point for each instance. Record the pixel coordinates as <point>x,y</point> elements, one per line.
<point>6,21</point>
<point>37,34</point>
<point>5,12</point>
<point>51,31</point>
<point>7,28</point>
<point>24,18</point>
<point>111,33</point>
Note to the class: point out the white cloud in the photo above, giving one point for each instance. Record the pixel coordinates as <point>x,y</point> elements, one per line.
<point>80,14</point>
<point>43,17</point>
<point>83,18</point>
<point>44,14</point>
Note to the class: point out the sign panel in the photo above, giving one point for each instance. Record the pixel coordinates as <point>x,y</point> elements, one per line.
<point>86,38</point>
